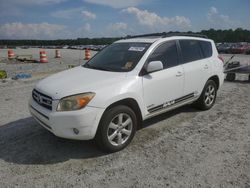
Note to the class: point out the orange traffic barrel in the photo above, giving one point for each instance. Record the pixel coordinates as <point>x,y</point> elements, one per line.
<point>11,54</point>
<point>87,54</point>
<point>43,57</point>
<point>58,54</point>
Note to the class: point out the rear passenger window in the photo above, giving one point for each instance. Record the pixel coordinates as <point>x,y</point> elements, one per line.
<point>191,50</point>
<point>166,53</point>
<point>206,48</point>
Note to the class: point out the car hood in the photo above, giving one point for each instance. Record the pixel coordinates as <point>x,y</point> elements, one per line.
<point>77,80</point>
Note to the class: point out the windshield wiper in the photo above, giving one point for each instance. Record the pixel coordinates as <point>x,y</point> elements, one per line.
<point>97,68</point>
<point>87,65</point>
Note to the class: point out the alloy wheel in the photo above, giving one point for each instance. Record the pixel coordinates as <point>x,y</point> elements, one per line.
<point>119,129</point>
<point>210,95</point>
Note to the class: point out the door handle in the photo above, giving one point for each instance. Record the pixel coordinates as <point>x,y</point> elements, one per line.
<point>179,73</point>
<point>206,67</point>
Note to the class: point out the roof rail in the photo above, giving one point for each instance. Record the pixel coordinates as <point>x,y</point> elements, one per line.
<point>170,34</point>
<point>185,34</point>
<point>146,35</point>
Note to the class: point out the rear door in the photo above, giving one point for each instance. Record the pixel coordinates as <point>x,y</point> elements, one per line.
<point>196,66</point>
<point>162,87</point>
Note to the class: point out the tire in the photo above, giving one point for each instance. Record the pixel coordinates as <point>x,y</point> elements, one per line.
<point>113,134</point>
<point>208,96</point>
<point>230,77</point>
<point>249,78</point>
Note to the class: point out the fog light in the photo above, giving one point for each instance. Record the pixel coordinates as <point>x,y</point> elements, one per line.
<point>76,131</point>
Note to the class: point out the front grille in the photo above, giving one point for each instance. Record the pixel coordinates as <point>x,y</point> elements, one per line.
<point>42,99</point>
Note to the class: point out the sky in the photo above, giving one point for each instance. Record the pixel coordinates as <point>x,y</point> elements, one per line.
<point>70,19</point>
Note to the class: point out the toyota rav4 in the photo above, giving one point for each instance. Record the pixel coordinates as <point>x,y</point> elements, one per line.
<point>127,82</point>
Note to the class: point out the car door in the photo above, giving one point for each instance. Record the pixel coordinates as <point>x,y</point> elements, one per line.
<point>195,66</point>
<point>161,88</point>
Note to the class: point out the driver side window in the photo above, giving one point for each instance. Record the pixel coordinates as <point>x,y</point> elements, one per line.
<point>166,53</point>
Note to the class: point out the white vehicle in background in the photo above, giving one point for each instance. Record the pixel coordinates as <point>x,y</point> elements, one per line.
<point>127,82</point>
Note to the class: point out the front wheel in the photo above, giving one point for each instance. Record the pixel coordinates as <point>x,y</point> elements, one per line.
<point>116,129</point>
<point>208,96</point>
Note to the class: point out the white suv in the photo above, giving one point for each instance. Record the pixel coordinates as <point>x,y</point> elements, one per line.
<point>127,82</point>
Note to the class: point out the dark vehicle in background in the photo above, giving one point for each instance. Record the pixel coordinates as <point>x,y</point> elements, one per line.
<point>247,50</point>
<point>225,48</point>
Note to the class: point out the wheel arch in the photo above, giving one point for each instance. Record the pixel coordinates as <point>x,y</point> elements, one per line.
<point>216,79</point>
<point>131,103</point>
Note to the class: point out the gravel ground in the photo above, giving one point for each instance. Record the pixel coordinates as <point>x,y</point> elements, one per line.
<point>182,148</point>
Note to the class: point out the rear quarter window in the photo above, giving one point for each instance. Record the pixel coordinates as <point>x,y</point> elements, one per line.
<point>206,48</point>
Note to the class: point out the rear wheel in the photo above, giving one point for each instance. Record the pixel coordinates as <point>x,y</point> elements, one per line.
<point>249,78</point>
<point>230,77</point>
<point>208,96</point>
<point>116,129</point>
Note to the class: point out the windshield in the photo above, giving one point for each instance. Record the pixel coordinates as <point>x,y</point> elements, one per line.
<point>118,57</point>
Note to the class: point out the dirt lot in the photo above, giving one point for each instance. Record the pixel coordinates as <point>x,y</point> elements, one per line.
<point>69,57</point>
<point>183,148</point>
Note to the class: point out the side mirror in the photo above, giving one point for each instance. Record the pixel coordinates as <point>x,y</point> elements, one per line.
<point>154,66</point>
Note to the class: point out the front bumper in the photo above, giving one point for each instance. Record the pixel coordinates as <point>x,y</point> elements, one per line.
<point>62,124</point>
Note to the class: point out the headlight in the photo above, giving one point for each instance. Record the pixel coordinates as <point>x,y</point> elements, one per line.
<point>75,102</point>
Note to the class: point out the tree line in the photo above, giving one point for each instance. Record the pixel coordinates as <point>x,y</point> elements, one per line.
<point>219,36</point>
